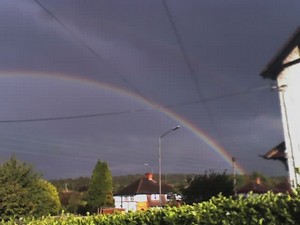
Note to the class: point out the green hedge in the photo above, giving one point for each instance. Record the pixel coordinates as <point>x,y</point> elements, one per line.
<point>268,209</point>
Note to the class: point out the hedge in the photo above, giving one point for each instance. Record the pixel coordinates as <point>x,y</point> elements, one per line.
<point>268,209</point>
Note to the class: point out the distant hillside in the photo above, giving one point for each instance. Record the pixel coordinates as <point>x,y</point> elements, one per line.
<point>178,181</point>
<point>81,184</point>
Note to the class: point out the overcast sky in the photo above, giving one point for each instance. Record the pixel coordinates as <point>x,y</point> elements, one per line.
<point>140,67</point>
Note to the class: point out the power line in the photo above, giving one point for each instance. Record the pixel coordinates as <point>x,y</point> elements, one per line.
<point>185,57</point>
<point>84,44</point>
<point>92,51</point>
<point>69,30</point>
<point>136,110</point>
<point>182,48</point>
<point>235,94</point>
<point>71,117</point>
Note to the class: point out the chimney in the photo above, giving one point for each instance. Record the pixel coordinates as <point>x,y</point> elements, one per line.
<point>257,180</point>
<point>149,176</point>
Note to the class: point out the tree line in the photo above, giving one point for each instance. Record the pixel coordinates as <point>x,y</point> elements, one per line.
<point>193,188</point>
<point>23,192</point>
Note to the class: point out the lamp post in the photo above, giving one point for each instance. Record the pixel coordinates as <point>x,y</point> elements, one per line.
<point>159,159</point>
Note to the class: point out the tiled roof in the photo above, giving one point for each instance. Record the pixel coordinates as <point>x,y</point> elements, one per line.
<point>283,187</point>
<point>255,187</point>
<point>145,185</point>
<point>259,188</point>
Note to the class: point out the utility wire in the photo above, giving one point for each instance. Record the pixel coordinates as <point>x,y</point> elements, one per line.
<point>192,72</point>
<point>185,57</point>
<point>84,44</point>
<point>80,40</point>
<point>182,48</point>
<point>124,80</point>
<point>206,100</point>
<point>137,110</point>
<point>72,117</point>
<point>261,88</point>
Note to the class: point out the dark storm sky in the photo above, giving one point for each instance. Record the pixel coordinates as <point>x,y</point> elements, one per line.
<point>198,59</point>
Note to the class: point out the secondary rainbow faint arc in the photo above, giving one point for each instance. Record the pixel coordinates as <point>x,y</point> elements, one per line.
<point>183,121</point>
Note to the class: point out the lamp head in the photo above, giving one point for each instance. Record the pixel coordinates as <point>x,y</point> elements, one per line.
<point>175,128</point>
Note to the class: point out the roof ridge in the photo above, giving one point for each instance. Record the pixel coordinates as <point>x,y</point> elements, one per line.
<point>275,65</point>
<point>139,186</point>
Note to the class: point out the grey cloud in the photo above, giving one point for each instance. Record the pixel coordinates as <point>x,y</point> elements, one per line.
<point>135,48</point>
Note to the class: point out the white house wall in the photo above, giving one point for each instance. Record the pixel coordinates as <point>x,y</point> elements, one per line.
<point>289,93</point>
<point>125,202</point>
<point>129,203</point>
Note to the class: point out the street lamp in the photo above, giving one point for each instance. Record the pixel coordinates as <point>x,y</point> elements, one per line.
<point>159,159</point>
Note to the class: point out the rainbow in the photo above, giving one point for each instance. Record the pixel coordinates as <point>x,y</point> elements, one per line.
<point>213,144</point>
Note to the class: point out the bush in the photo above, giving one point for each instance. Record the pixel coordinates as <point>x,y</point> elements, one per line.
<point>255,210</point>
<point>24,193</point>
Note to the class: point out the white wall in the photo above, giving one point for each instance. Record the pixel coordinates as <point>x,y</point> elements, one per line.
<point>129,203</point>
<point>289,93</point>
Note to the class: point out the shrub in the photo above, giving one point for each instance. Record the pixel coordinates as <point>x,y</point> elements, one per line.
<point>264,209</point>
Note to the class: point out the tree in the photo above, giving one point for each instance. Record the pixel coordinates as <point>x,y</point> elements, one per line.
<point>79,184</point>
<point>22,192</point>
<point>48,201</point>
<point>73,202</point>
<point>204,186</point>
<point>100,192</point>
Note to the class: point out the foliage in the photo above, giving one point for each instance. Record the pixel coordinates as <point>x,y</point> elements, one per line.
<point>47,198</point>
<point>204,186</point>
<point>255,210</point>
<point>73,191</point>
<point>178,181</point>
<point>79,184</point>
<point>100,190</point>
<point>73,201</point>
<point>23,193</point>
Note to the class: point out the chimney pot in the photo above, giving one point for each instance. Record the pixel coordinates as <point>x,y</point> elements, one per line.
<point>149,176</point>
<point>258,180</point>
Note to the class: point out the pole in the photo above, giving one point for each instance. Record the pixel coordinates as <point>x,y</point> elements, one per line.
<point>159,169</point>
<point>159,161</point>
<point>234,177</point>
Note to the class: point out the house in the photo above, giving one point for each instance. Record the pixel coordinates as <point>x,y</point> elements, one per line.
<point>283,187</point>
<point>284,68</point>
<point>256,187</point>
<point>142,194</point>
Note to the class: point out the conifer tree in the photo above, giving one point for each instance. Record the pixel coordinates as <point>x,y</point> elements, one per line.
<point>23,193</point>
<point>100,193</point>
